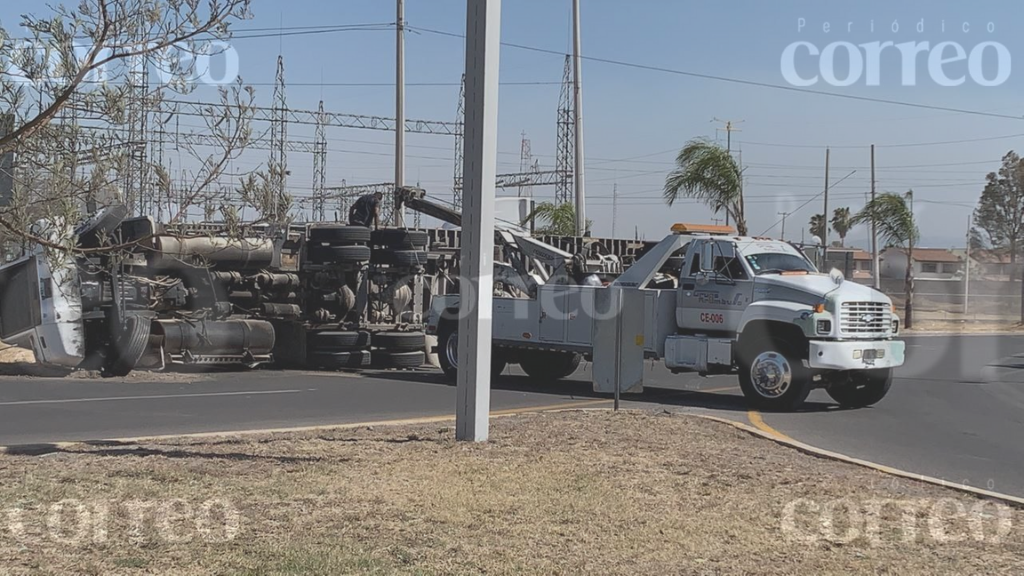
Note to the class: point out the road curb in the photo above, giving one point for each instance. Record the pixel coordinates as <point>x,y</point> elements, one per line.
<point>827,454</point>
<point>43,448</point>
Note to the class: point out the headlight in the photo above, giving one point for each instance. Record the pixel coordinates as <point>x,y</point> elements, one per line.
<point>824,326</point>
<point>895,326</point>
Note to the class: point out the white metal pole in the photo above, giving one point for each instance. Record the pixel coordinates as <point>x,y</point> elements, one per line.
<point>581,200</point>
<point>400,113</point>
<point>483,29</point>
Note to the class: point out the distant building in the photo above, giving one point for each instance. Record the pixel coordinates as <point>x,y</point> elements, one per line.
<point>860,262</point>
<point>992,265</point>
<point>934,263</point>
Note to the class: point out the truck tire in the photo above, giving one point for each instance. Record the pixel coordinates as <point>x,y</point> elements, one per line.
<point>862,388</point>
<point>338,341</point>
<point>547,365</point>
<point>400,239</point>
<point>128,346</point>
<point>405,258</point>
<point>392,359</point>
<point>448,353</point>
<point>338,254</point>
<point>338,360</point>
<point>339,234</point>
<point>400,341</point>
<point>772,376</point>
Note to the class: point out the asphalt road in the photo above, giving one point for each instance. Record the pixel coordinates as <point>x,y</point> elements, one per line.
<point>955,411</point>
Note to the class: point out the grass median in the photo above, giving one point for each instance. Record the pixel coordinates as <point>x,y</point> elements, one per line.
<point>556,493</point>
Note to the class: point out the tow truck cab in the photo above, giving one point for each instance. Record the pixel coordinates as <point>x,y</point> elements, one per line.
<point>760,307</point>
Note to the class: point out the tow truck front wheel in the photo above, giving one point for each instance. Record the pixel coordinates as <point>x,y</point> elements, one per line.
<point>861,388</point>
<point>773,378</point>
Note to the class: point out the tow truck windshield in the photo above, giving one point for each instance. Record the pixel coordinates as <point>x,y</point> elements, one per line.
<point>777,263</point>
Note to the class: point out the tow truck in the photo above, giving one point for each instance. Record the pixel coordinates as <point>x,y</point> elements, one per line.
<point>750,306</point>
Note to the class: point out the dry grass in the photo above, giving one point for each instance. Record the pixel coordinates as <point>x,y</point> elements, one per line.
<point>569,493</point>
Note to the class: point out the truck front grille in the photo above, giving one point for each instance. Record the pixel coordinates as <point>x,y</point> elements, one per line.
<point>865,318</point>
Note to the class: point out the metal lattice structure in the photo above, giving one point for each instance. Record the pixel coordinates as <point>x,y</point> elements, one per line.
<point>565,143</point>
<point>278,136</point>
<point>460,133</point>
<point>153,126</point>
<point>319,166</point>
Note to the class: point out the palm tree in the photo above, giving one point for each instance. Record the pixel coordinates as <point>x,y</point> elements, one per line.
<point>707,172</point>
<point>895,223</point>
<point>841,223</point>
<point>818,226</point>
<point>556,219</point>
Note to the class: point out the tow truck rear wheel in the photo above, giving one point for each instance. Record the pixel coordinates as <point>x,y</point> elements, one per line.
<point>772,376</point>
<point>861,388</point>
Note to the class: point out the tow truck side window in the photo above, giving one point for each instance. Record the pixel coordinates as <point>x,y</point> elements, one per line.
<point>725,267</point>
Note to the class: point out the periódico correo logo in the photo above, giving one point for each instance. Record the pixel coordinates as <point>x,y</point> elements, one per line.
<point>947,63</point>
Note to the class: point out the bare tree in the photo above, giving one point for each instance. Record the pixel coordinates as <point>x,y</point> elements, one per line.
<point>70,88</point>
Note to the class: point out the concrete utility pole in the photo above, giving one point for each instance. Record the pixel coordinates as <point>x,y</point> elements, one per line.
<point>400,113</point>
<point>577,71</point>
<point>967,264</point>
<point>824,239</point>
<point>784,215</point>
<point>483,29</point>
<point>875,259</point>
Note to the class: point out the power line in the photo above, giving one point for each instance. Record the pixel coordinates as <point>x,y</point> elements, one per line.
<point>742,81</point>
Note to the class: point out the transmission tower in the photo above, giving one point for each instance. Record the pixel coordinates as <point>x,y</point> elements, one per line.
<point>565,145</point>
<point>526,165</point>
<point>136,176</point>
<point>460,132</point>
<point>278,137</point>
<point>319,165</point>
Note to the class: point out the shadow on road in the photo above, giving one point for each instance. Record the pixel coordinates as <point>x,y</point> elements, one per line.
<point>584,389</point>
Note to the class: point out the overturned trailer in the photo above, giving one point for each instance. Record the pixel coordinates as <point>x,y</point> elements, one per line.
<point>134,295</point>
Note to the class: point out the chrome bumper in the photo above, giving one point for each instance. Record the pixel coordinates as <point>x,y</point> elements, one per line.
<point>856,354</point>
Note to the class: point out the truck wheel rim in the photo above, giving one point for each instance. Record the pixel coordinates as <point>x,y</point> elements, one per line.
<point>771,374</point>
<point>451,349</point>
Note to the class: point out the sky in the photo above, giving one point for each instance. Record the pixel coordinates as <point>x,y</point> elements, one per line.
<point>636,118</point>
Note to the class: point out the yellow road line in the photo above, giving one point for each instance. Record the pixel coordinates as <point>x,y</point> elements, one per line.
<point>397,422</point>
<point>755,418</point>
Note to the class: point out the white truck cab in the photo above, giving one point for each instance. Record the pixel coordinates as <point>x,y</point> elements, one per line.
<point>759,306</point>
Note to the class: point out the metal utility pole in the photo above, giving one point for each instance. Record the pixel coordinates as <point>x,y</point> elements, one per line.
<point>400,113</point>
<point>483,29</point>
<point>729,129</point>
<point>967,264</point>
<point>908,307</point>
<point>784,215</point>
<point>581,201</point>
<point>615,206</point>
<point>875,259</point>
<point>824,239</point>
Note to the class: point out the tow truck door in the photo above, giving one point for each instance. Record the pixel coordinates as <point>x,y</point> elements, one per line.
<point>712,297</point>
